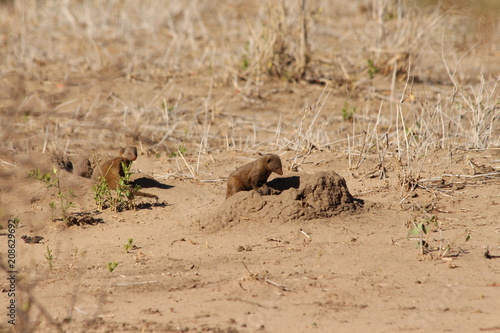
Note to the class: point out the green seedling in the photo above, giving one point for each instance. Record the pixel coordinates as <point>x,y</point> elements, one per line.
<point>245,59</point>
<point>112,266</point>
<point>102,193</point>
<point>49,257</point>
<point>129,246</point>
<point>36,174</point>
<point>53,207</point>
<point>348,112</point>
<point>52,180</point>
<point>418,230</point>
<point>181,149</point>
<point>372,69</point>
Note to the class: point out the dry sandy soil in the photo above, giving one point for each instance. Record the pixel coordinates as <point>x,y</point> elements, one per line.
<point>401,102</point>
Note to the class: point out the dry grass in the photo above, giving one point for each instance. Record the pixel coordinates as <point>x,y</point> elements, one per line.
<point>65,63</point>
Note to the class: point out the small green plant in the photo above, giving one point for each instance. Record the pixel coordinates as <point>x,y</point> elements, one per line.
<point>245,59</point>
<point>102,193</point>
<point>129,245</point>
<point>49,257</point>
<point>119,200</point>
<point>181,149</point>
<point>62,201</point>
<point>419,231</point>
<point>112,266</point>
<point>53,207</point>
<point>372,69</point>
<point>348,112</point>
<point>36,174</point>
<point>124,191</point>
<point>422,231</point>
<point>245,62</point>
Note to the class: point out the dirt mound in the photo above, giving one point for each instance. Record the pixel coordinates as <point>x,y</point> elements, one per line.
<point>306,197</point>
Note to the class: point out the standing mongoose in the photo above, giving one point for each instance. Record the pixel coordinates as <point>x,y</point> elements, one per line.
<point>254,175</point>
<point>113,170</point>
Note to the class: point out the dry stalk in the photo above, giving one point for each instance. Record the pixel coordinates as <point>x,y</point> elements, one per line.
<point>193,173</point>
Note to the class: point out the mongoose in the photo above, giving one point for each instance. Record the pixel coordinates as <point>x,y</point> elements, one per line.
<point>254,175</point>
<point>113,170</point>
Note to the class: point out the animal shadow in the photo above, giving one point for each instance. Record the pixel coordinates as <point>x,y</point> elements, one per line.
<point>83,218</point>
<point>151,205</point>
<point>284,183</point>
<point>145,182</point>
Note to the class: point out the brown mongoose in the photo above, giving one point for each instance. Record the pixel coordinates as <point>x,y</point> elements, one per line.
<point>254,175</point>
<point>113,170</point>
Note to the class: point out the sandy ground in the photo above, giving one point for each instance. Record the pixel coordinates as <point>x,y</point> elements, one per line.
<point>199,263</point>
<point>352,272</point>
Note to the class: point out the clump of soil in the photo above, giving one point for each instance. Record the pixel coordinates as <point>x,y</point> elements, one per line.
<point>305,197</point>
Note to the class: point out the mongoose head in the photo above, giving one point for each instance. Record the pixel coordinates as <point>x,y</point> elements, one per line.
<point>274,163</point>
<point>129,153</point>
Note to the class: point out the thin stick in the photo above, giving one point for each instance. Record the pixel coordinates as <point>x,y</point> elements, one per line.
<point>134,283</point>
<point>281,286</point>
<point>187,164</point>
<point>8,163</point>
<point>304,233</point>
<point>199,156</point>
<point>349,150</point>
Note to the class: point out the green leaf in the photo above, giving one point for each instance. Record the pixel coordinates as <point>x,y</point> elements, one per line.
<point>418,230</point>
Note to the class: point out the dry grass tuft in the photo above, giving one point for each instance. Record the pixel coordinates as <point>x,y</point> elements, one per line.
<point>90,74</point>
